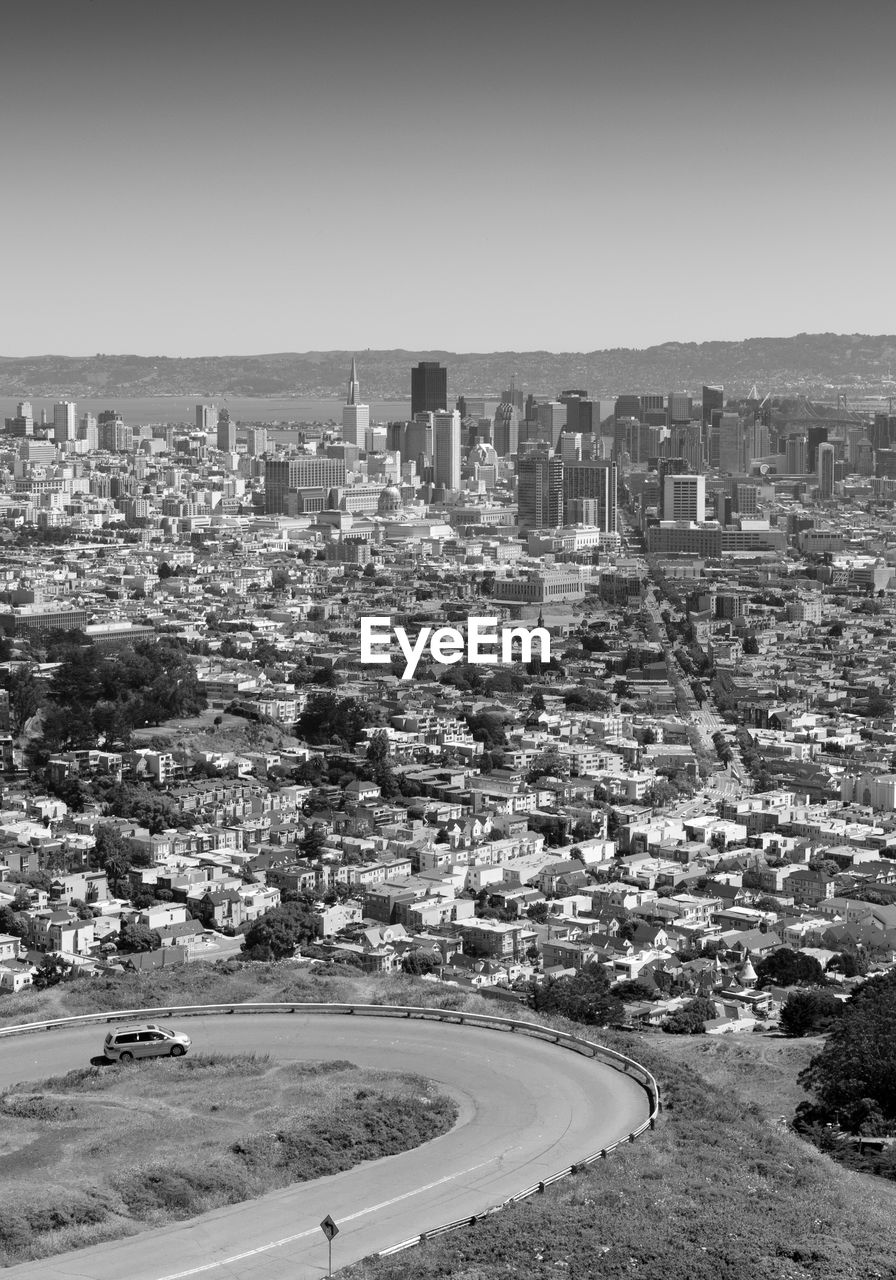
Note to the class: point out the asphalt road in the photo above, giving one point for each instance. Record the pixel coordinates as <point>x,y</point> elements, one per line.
<point>527,1110</point>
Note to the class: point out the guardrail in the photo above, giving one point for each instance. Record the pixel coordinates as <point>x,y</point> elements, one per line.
<point>564,1040</point>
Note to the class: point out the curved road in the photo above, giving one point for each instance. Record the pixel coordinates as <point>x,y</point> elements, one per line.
<point>527,1110</point>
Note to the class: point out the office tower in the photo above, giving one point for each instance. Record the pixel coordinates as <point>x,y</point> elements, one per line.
<point>551,421</point>
<point>65,421</point>
<point>713,398</point>
<point>883,432</point>
<point>513,396</point>
<point>87,431</point>
<point>256,442</point>
<point>815,436</point>
<point>355,415</point>
<point>570,447</point>
<point>593,479</point>
<point>756,441</point>
<point>825,471</point>
<point>653,409</point>
<point>746,499</point>
<point>375,439</point>
<point>206,418</point>
<point>429,387</point>
<point>25,412</point>
<point>796,455</point>
<point>540,490</point>
<point>506,430</point>
<point>686,441</point>
<point>226,432</point>
<point>283,475</point>
<point>446,448</point>
<point>729,433</point>
<point>572,400</point>
<point>684,498</point>
<point>865,457</point>
<point>678,407</point>
<point>627,407</point>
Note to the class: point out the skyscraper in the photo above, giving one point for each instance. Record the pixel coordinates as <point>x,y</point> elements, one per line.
<point>679,407</point>
<point>540,490</point>
<point>684,498</point>
<point>429,387</point>
<point>65,421</point>
<point>796,455</point>
<point>506,429</point>
<point>594,479</point>
<point>206,418</point>
<point>256,442</point>
<point>446,448</point>
<point>730,434</point>
<point>713,398</point>
<point>355,415</point>
<point>825,471</point>
<point>226,432</point>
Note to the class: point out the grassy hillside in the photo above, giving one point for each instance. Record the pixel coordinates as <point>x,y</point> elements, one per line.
<point>721,1191</point>
<point>103,1152</point>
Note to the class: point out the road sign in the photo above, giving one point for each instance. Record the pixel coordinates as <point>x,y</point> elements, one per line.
<point>329,1228</point>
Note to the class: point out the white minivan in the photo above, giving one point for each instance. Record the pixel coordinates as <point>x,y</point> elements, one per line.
<point>147,1041</point>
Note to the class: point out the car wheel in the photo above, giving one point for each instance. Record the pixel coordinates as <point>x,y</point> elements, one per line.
<point>125,1057</point>
<point>177,1051</point>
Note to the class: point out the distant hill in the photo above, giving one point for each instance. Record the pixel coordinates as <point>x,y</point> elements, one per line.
<point>815,364</point>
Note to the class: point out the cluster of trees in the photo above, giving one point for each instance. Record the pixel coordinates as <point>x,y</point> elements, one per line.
<point>328,718</point>
<point>691,1018</point>
<point>276,934</point>
<point>583,997</point>
<point>94,697</point>
<point>788,968</point>
<point>853,1078</point>
<point>809,1012</point>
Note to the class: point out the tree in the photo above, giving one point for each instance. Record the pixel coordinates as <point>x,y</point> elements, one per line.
<point>51,970</point>
<point>787,968</point>
<point>538,912</point>
<point>25,698</point>
<point>809,1012</point>
<point>312,843</point>
<point>584,997</point>
<point>276,934</point>
<point>112,853</point>
<point>419,963</point>
<point>547,763</point>
<point>854,1075</point>
<point>137,937</point>
<point>691,1018</point>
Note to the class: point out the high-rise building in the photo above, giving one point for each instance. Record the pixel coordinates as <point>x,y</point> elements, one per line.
<point>628,407</point>
<point>256,442</point>
<point>446,448</point>
<point>206,418</point>
<point>65,421</point>
<point>87,431</point>
<point>678,407</point>
<point>429,387</point>
<point>684,498</point>
<point>730,436</point>
<point>713,398</point>
<point>795,455</point>
<point>540,490</point>
<point>506,430</point>
<point>825,471</point>
<point>283,475</point>
<point>595,479</point>
<point>551,421</point>
<point>355,415</point>
<point>815,436</point>
<point>226,432</point>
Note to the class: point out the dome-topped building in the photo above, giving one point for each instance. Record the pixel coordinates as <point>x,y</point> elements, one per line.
<point>390,501</point>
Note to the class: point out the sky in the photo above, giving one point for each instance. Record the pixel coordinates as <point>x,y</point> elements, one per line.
<point>203,177</point>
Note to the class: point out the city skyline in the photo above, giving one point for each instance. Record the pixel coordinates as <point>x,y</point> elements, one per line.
<point>225,177</point>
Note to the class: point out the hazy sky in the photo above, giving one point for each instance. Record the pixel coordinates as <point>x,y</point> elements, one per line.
<point>204,177</point>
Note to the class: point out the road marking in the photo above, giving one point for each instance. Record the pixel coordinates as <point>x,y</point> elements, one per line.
<point>312,1231</point>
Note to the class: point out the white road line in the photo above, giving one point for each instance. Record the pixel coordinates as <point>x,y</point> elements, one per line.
<point>276,1244</point>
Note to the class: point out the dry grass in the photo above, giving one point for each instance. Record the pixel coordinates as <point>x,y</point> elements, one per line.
<point>166,1139</point>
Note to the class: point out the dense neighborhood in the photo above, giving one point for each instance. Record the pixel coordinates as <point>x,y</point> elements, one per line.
<point>197,762</point>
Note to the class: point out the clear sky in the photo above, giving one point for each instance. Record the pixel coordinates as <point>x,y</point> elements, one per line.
<point>206,177</point>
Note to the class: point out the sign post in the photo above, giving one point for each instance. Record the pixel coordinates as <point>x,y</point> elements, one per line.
<point>329,1228</point>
